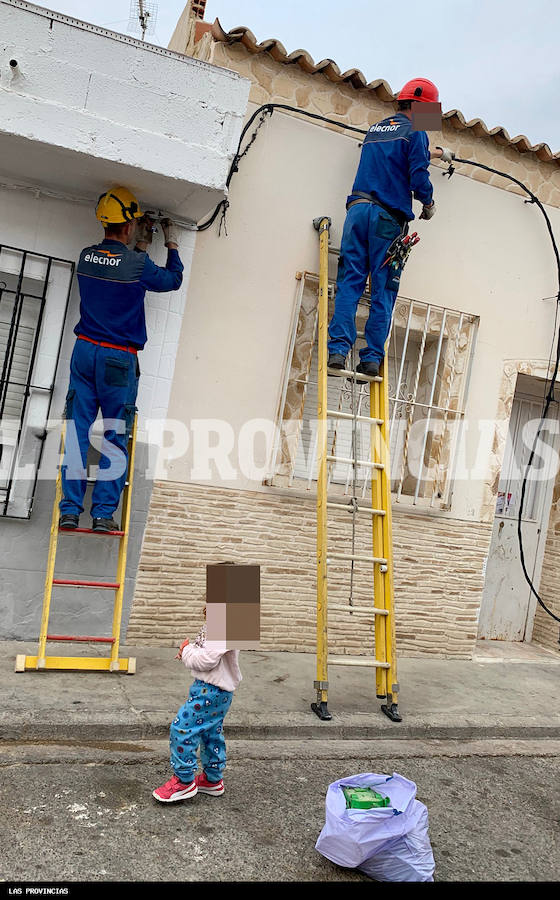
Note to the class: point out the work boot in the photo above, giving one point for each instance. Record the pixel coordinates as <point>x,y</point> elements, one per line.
<point>336,361</point>
<point>367,368</point>
<point>68,521</point>
<point>105,525</point>
<point>174,790</point>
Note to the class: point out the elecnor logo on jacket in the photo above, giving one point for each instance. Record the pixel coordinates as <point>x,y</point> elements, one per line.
<point>393,126</point>
<point>108,259</point>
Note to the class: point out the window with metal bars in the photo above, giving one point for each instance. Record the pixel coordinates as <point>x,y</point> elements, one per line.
<point>429,355</point>
<point>34,293</point>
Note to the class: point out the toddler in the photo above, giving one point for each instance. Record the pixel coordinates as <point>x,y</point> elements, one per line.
<point>200,721</point>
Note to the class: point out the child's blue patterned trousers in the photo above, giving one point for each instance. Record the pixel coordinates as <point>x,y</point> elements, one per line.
<point>200,721</point>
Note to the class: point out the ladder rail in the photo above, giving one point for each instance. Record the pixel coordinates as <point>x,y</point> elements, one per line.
<point>377,501</point>
<point>123,548</point>
<point>387,528</point>
<point>111,663</point>
<point>51,558</point>
<point>322,441</point>
<point>381,560</point>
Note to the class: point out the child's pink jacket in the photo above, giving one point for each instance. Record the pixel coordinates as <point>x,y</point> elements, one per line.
<point>219,667</point>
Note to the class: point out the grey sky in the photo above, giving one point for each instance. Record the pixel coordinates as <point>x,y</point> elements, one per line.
<point>497,60</point>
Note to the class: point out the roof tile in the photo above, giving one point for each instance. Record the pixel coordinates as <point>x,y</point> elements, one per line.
<point>328,68</point>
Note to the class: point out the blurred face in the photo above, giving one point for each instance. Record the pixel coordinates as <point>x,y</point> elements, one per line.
<point>125,232</point>
<point>426,116</point>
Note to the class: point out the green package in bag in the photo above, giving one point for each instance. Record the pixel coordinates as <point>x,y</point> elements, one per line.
<point>363,798</point>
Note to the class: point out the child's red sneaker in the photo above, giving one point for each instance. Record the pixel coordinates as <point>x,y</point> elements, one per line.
<point>209,787</point>
<point>174,790</point>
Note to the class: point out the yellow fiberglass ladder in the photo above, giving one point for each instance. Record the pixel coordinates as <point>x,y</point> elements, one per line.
<point>110,663</point>
<point>383,658</point>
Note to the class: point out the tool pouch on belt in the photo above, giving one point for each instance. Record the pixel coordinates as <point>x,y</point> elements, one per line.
<point>396,261</point>
<point>394,275</point>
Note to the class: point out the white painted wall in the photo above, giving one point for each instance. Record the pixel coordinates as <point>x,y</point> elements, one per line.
<point>485,252</point>
<point>61,228</point>
<point>87,106</point>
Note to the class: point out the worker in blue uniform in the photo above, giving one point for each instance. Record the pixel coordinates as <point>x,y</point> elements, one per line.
<point>104,372</point>
<point>393,169</point>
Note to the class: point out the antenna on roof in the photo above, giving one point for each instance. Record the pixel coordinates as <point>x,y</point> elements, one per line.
<point>142,17</point>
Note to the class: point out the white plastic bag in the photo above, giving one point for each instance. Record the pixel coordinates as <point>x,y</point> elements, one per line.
<point>388,844</point>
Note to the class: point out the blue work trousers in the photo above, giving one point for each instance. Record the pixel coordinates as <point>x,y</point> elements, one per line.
<point>367,235</point>
<point>200,721</point>
<point>100,379</point>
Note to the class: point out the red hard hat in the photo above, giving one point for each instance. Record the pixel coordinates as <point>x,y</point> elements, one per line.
<point>420,89</point>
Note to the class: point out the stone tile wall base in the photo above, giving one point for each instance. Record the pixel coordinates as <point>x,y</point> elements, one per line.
<point>438,571</point>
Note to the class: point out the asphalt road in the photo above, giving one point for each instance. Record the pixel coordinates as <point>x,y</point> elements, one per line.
<point>72,812</point>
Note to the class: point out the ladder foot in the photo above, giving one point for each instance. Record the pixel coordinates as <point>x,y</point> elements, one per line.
<point>392,712</point>
<point>321,710</point>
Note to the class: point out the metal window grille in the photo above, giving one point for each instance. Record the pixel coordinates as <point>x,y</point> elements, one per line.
<point>429,355</point>
<point>34,294</point>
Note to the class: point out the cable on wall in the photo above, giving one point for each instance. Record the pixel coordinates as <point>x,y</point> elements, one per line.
<point>264,112</point>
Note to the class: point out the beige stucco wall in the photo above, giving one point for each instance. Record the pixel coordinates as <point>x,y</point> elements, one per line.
<point>486,253</point>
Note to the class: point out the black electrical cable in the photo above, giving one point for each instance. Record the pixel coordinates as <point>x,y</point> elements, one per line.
<point>550,392</point>
<point>266,110</point>
<point>263,111</point>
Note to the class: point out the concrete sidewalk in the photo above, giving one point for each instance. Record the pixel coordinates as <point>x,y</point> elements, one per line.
<point>506,691</point>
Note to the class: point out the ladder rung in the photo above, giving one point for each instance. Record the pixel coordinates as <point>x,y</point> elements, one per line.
<point>93,480</point>
<point>90,531</point>
<point>71,637</point>
<point>359,509</point>
<point>96,584</point>
<point>347,373</point>
<point>350,556</point>
<point>356,661</point>
<point>342,415</point>
<point>356,462</point>
<point>344,607</point>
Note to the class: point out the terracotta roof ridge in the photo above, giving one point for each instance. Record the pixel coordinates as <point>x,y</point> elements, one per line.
<point>329,68</point>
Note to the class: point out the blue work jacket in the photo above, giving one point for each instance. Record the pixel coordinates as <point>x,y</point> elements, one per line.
<point>394,165</point>
<point>113,281</point>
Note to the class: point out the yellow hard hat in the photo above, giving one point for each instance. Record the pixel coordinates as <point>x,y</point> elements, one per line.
<point>116,206</point>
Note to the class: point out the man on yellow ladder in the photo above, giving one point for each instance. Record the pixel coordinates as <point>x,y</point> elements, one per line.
<point>393,168</point>
<point>104,371</point>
